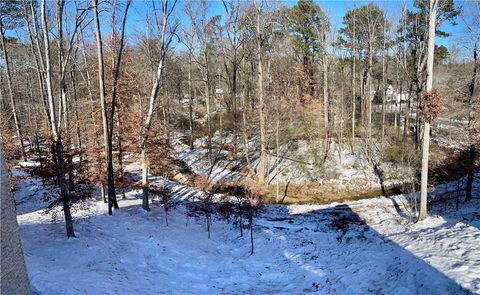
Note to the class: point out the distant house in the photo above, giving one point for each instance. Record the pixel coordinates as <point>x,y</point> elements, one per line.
<point>392,96</point>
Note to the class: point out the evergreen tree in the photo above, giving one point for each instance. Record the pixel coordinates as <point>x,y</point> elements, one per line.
<point>308,26</point>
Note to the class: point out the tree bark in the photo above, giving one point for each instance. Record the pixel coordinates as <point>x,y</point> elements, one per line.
<point>107,119</point>
<point>426,132</point>
<point>13,277</point>
<point>261,105</point>
<point>103,104</point>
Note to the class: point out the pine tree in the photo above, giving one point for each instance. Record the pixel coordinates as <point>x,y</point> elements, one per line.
<point>308,25</point>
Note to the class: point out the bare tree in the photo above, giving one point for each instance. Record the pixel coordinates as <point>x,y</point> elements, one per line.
<point>384,89</point>
<point>165,40</point>
<point>189,41</point>
<point>262,166</point>
<point>233,54</point>
<point>354,99</point>
<point>473,33</point>
<point>432,20</point>
<point>55,129</point>
<point>36,52</point>
<point>324,34</point>
<point>108,117</point>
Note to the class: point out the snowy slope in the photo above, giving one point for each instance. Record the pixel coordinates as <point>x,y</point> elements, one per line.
<point>342,171</point>
<point>361,247</point>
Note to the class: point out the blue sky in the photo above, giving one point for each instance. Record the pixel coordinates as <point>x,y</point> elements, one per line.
<point>335,9</point>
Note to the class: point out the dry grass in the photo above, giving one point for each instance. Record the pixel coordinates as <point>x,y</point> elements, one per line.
<point>315,193</point>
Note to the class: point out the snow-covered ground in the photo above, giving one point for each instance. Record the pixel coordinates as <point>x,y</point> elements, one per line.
<point>343,170</point>
<point>361,247</point>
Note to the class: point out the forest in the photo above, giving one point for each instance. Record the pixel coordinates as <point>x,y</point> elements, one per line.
<point>240,147</point>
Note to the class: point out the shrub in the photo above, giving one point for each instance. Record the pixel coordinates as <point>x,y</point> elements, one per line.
<point>402,153</point>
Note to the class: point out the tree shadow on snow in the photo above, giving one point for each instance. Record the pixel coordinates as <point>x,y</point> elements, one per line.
<point>358,259</point>
<point>329,250</point>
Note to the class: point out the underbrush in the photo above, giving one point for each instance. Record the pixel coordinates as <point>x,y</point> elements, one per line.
<point>316,193</point>
<point>402,153</point>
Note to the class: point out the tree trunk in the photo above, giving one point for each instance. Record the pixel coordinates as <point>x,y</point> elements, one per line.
<point>407,111</point>
<point>353,76</point>
<point>107,119</point>
<point>418,93</point>
<point>62,96</point>
<point>190,103</point>
<point>145,204</point>
<point>471,118</point>
<point>14,277</point>
<point>363,101</point>
<point>261,107</point>
<point>75,100</point>
<point>56,134</point>
<point>470,172</point>
<point>384,89</point>
<point>369,82</point>
<point>16,120</point>
<point>207,101</point>
<point>245,132</point>
<point>426,132</point>
<point>250,221</point>
<point>164,43</point>
<point>120,155</point>
<point>101,79</point>
<point>36,127</point>
<point>116,74</point>
<point>325,95</point>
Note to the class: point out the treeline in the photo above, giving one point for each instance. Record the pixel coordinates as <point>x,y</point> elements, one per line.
<point>80,91</point>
